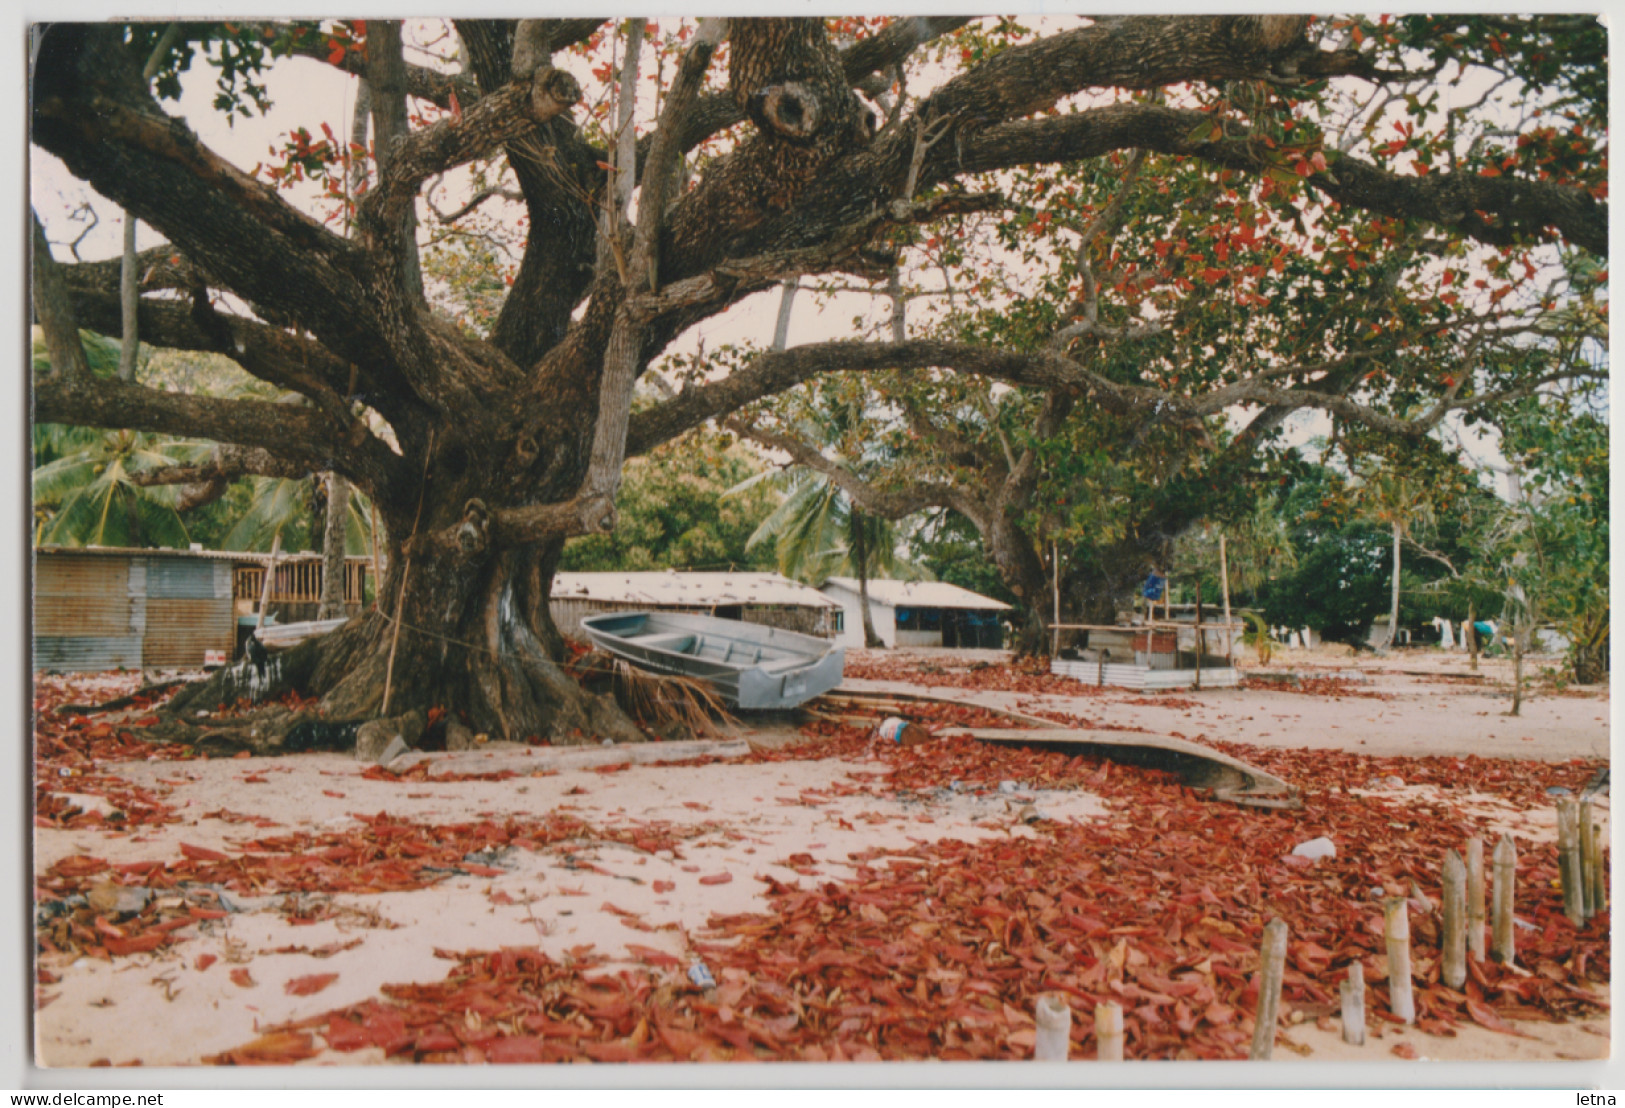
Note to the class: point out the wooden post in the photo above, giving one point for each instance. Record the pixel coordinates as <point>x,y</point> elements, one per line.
<point>1568,861</point>
<point>270,573</point>
<point>1055,557</point>
<point>1109,1032</point>
<point>406,573</point>
<point>1353,995</point>
<point>1475,897</point>
<point>1201,638</point>
<point>1453,956</point>
<point>1271,967</point>
<point>1224,586</point>
<point>1506,866</point>
<point>1054,1019</point>
<point>1588,860</point>
<point>1396,921</point>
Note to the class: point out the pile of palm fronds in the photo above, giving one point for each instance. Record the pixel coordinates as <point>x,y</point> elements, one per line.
<point>661,701</point>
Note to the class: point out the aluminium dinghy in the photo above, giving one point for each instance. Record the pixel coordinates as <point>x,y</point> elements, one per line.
<point>749,665</point>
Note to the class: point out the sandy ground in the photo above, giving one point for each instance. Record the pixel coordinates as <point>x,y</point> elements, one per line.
<point>1416,715</point>
<point>160,1009</point>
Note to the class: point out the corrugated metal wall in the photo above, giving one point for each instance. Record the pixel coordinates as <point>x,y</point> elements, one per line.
<point>188,612</point>
<point>89,612</point>
<point>96,612</point>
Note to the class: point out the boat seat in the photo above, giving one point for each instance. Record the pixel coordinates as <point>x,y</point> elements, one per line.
<point>784,665</point>
<point>670,640</point>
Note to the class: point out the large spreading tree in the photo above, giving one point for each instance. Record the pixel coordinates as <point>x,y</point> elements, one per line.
<point>780,148</point>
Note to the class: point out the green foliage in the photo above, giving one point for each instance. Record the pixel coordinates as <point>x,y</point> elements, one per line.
<point>816,533</point>
<point>1559,559</point>
<point>674,514</point>
<point>87,497</point>
<point>948,548</point>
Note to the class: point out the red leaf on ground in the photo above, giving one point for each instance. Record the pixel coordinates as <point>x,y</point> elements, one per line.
<point>203,854</point>
<point>717,878</point>
<point>1485,1017</point>
<point>241,976</point>
<point>306,986</point>
<point>204,961</point>
<point>1404,1050</point>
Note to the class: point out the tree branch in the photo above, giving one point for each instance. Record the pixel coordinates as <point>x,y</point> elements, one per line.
<point>1495,210</point>
<point>889,503</point>
<point>623,355</point>
<point>109,132</point>
<point>497,119</point>
<point>53,308</point>
<point>284,429</point>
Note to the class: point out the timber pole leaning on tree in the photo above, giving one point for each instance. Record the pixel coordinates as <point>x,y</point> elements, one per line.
<point>1396,920</point>
<point>1506,866</point>
<point>270,573</point>
<point>1271,968</point>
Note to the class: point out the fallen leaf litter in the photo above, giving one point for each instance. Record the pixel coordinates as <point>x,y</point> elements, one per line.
<point>938,953</point>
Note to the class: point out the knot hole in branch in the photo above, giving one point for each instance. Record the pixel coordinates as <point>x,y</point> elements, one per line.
<point>474,533</point>
<point>551,91</point>
<point>790,109</point>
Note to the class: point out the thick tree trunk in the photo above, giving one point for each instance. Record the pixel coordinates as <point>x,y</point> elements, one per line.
<point>475,639</point>
<point>333,534</point>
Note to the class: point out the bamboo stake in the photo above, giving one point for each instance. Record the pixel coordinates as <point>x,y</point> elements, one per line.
<point>1599,871</point>
<point>1588,861</point>
<point>1109,1032</point>
<point>1353,995</point>
<point>1453,968</point>
<point>1054,1019</point>
<point>1475,897</point>
<point>270,572</point>
<point>1396,921</point>
<point>1271,967</point>
<point>1568,861</point>
<point>1506,865</point>
<point>1224,584</point>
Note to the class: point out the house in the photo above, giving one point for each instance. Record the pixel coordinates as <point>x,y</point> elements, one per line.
<point>99,607</point>
<point>765,598</point>
<point>918,613</point>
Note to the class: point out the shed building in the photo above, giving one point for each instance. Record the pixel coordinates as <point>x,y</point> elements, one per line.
<point>919,613</point>
<point>99,608</point>
<point>766,598</point>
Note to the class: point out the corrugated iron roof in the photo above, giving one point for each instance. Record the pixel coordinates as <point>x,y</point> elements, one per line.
<point>253,556</point>
<point>692,589</point>
<point>922,594</point>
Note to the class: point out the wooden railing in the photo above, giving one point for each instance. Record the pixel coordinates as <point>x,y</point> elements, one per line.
<point>297,583</point>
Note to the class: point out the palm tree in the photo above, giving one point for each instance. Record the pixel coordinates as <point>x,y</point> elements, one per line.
<point>817,532</point>
<point>1400,502</point>
<point>86,495</point>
